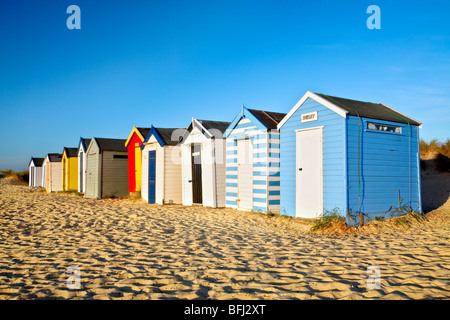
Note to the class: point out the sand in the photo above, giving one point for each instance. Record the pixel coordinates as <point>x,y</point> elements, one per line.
<point>127,249</point>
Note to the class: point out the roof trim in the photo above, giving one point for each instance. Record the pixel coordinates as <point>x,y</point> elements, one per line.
<point>82,144</point>
<point>153,132</point>
<point>319,99</point>
<point>244,113</point>
<point>406,117</point>
<point>195,122</point>
<point>135,130</point>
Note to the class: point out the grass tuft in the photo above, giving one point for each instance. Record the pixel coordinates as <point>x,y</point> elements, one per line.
<point>329,219</point>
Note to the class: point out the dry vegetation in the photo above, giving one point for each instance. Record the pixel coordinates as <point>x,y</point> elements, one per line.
<point>439,151</point>
<point>21,176</point>
<point>435,165</point>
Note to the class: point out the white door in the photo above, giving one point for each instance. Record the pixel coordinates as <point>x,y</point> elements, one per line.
<point>309,181</point>
<point>245,174</point>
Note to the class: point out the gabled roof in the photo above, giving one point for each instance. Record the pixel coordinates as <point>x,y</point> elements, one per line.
<point>84,143</point>
<point>369,110</point>
<point>70,152</point>
<point>218,125</point>
<point>141,132</point>
<point>344,106</point>
<point>206,126</point>
<point>264,120</point>
<point>36,161</point>
<point>54,157</point>
<point>164,136</point>
<point>268,118</point>
<point>107,144</point>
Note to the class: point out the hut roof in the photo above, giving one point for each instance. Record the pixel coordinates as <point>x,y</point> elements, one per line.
<point>369,110</point>
<point>166,135</point>
<point>268,118</point>
<point>218,125</point>
<point>107,144</point>
<point>71,152</point>
<point>37,161</point>
<point>54,157</point>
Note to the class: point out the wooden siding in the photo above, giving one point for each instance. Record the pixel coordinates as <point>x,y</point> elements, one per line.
<point>186,173</point>
<point>172,175</point>
<point>55,176</point>
<point>92,171</point>
<point>144,171</point>
<point>220,174</point>
<point>44,174</point>
<point>114,174</point>
<point>69,174</point>
<point>382,166</point>
<point>334,168</point>
<point>160,174</point>
<point>35,176</point>
<point>81,170</point>
<point>168,173</point>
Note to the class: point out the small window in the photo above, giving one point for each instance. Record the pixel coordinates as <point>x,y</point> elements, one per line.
<point>383,127</point>
<point>120,156</point>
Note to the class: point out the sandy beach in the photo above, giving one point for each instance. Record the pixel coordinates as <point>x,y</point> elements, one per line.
<point>127,249</point>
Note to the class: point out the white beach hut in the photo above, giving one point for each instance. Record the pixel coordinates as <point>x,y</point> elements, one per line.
<point>161,166</point>
<point>203,163</point>
<point>35,172</point>
<point>53,172</point>
<point>82,150</point>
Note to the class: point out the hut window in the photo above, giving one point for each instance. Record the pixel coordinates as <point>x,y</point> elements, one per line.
<point>120,156</point>
<point>383,127</point>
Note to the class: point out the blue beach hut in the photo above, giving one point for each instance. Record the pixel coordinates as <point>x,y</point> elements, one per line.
<point>253,161</point>
<point>359,158</point>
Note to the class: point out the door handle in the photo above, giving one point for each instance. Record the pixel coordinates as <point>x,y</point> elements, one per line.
<point>300,169</point>
<point>189,181</point>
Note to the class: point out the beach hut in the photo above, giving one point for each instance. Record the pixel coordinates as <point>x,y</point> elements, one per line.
<point>253,161</point>
<point>133,145</point>
<point>161,166</point>
<point>69,168</point>
<point>82,149</point>
<point>352,157</point>
<point>106,168</point>
<point>35,172</point>
<point>44,174</point>
<point>52,172</point>
<point>203,163</point>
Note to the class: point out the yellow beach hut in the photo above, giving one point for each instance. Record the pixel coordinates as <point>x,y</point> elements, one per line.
<point>69,172</point>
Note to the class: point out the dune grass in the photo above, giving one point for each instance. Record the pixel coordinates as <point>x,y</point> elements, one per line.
<point>21,176</point>
<point>440,151</point>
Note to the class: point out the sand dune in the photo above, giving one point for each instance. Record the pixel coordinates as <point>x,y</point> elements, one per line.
<point>127,249</point>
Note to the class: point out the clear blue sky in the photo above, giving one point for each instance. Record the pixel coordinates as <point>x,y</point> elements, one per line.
<point>164,62</point>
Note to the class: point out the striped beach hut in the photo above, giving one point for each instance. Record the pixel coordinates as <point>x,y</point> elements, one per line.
<point>52,172</point>
<point>133,145</point>
<point>69,163</point>
<point>82,149</point>
<point>161,166</point>
<point>354,157</point>
<point>35,172</point>
<point>253,161</point>
<point>106,168</point>
<point>203,163</point>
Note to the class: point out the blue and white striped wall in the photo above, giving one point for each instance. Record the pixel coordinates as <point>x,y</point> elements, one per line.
<point>266,163</point>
